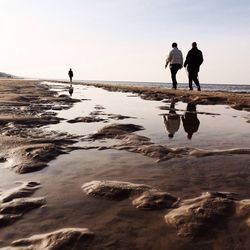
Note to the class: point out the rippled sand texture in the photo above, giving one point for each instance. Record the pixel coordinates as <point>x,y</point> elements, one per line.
<point>98,170</point>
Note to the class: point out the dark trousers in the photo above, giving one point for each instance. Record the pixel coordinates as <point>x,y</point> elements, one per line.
<point>193,77</point>
<point>174,69</point>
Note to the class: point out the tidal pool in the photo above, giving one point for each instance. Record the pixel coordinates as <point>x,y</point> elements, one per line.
<point>118,225</point>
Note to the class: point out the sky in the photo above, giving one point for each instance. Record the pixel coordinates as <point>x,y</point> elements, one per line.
<point>124,40</point>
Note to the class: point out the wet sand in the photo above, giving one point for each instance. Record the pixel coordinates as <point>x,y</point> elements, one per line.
<point>240,101</point>
<point>118,224</point>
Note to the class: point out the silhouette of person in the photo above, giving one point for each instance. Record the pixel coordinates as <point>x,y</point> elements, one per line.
<point>71,89</point>
<point>190,120</point>
<point>172,120</point>
<point>70,73</point>
<point>193,62</point>
<point>175,59</point>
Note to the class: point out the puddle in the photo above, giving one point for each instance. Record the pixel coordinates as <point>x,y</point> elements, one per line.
<point>226,128</point>
<point>68,206</point>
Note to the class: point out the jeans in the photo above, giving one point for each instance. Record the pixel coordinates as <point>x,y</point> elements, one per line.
<point>174,69</point>
<point>193,77</point>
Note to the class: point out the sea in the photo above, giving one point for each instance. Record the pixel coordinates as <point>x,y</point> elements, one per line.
<point>243,88</point>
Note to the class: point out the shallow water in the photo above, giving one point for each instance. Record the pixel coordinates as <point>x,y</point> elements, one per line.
<point>226,128</point>
<point>117,224</point>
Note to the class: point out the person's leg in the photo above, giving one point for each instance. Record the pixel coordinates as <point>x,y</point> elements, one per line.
<point>174,70</point>
<point>190,79</point>
<point>70,78</point>
<point>196,80</point>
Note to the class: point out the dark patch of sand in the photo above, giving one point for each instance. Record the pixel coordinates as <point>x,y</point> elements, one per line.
<point>65,239</point>
<point>114,130</point>
<point>114,190</point>
<point>14,203</point>
<point>25,107</point>
<point>87,119</point>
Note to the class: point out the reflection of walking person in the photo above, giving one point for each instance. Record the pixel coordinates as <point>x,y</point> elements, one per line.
<point>193,62</point>
<point>71,89</point>
<point>190,121</point>
<point>70,73</point>
<point>172,121</point>
<point>175,59</point>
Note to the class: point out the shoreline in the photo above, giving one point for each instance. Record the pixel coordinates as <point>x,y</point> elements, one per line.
<point>236,100</point>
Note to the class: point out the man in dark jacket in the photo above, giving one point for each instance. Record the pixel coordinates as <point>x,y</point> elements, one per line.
<point>70,73</point>
<point>193,62</point>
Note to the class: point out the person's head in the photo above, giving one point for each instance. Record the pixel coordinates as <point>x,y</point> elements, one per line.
<point>194,45</point>
<point>174,45</point>
<point>170,135</point>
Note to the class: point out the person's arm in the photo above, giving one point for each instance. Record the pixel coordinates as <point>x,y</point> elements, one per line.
<point>181,60</point>
<point>168,59</point>
<point>166,64</point>
<point>187,59</point>
<point>201,60</point>
<point>185,63</point>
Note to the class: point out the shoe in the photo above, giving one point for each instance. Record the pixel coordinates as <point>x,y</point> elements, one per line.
<point>190,89</point>
<point>199,88</point>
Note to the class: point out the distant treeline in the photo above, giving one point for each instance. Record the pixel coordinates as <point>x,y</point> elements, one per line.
<point>5,75</point>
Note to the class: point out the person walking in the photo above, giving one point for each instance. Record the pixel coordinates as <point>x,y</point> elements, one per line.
<point>193,62</point>
<point>175,59</point>
<point>70,73</point>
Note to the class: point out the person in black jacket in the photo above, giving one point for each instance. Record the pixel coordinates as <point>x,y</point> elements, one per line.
<point>193,62</point>
<point>70,73</point>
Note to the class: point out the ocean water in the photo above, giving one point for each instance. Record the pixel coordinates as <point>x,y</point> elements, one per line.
<point>204,86</point>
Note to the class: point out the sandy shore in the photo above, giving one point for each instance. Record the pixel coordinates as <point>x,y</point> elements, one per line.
<point>240,101</point>
<point>118,183</point>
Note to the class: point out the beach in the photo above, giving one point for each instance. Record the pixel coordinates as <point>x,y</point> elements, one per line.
<point>103,167</point>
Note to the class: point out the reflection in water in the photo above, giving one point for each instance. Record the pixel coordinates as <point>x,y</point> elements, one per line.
<point>71,89</point>
<point>190,121</point>
<point>172,120</point>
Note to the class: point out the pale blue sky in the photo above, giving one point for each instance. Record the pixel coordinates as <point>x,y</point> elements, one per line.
<point>124,39</point>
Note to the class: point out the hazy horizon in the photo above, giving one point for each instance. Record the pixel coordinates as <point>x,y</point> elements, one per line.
<point>118,40</point>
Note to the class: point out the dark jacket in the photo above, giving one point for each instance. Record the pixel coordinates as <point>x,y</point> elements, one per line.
<point>194,59</point>
<point>70,73</point>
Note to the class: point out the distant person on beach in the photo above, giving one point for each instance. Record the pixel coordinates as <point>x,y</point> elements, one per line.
<point>172,120</point>
<point>70,73</point>
<point>175,59</point>
<point>193,62</point>
<point>190,120</point>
